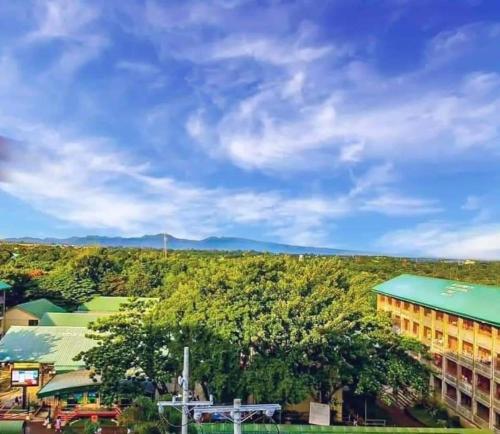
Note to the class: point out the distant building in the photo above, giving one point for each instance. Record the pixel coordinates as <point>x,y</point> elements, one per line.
<point>460,322</point>
<point>108,304</point>
<point>4,287</point>
<point>29,313</point>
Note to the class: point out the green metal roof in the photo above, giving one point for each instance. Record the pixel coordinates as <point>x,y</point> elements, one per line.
<point>39,307</point>
<point>109,304</point>
<point>477,302</point>
<point>69,382</point>
<point>4,285</point>
<point>71,319</point>
<point>223,428</point>
<point>42,344</point>
<point>11,426</point>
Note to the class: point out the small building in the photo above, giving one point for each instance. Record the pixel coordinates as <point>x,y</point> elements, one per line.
<point>109,304</point>
<point>4,287</point>
<point>48,350</point>
<point>71,319</point>
<point>460,323</point>
<point>29,313</point>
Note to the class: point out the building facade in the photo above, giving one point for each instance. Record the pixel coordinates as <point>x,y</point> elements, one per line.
<point>460,323</point>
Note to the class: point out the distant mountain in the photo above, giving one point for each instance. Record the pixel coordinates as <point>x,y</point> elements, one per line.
<point>173,243</point>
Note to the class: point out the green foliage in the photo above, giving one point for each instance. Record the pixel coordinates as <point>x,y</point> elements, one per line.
<point>268,326</point>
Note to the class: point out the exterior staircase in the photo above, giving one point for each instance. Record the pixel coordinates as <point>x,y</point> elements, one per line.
<point>401,398</point>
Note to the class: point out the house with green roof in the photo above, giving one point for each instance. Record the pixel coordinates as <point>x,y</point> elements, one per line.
<point>4,287</point>
<point>71,319</point>
<point>109,304</point>
<point>29,313</point>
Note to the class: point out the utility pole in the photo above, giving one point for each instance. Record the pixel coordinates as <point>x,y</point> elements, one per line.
<point>237,413</point>
<point>185,392</point>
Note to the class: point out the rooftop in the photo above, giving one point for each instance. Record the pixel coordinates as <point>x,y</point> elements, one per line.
<point>39,307</point>
<point>476,302</point>
<point>71,319</point>
<point>108,304</point>
<point>4,285</point>
<point>69,382</point>
<point>45,344</point>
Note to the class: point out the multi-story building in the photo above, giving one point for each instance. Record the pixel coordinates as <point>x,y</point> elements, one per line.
<point>460,323</point>
<point>4,287</point>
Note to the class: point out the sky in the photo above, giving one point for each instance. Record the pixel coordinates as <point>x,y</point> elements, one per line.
<point>365,125</point>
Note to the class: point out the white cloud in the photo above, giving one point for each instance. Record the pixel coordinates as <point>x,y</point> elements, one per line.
<point>86,181</point>
<point>396,205</point>
<point>445,241</point>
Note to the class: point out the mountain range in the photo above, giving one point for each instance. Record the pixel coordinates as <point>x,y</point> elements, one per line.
<point>211,243</point>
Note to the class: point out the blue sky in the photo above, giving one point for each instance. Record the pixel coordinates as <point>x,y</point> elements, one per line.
<point>368,125</point>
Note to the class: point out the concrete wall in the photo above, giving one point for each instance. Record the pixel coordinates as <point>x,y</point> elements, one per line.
<point>18,317</point>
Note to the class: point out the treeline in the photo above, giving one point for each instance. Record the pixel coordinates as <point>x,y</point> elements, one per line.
<point>70,275</point>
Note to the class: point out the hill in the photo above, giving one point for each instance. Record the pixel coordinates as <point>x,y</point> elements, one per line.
<point>173,243</point>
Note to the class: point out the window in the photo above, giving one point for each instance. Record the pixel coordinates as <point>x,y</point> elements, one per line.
<point>439,316</point>
<point>438,337</point>
<point>416,308</point>
<point>389,300</point>
<point>406,306</point>
<point>398,303</point>
<point>427,333</point>
<point>468,324</point>
<point>467,349</point>
<point>406,324</point>
<point>427,312</point>
<point>452,343</point>
<point>453,320</point>
<point>32,322</point>
<point>415,328</point>
<point>485,329</point>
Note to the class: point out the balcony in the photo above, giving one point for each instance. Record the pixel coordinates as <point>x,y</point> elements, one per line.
<point>452,378</point>
<point>497,372</point>
<point>452,354</point>
<point>450,401</point>
<point>465,411</point>
<point>483,368</point>
<point>483,396</point>
<point>478,420</point>
<point>496,403</point>
<point>437,346</point>
<point>466,387</point>
<point>466,360</point>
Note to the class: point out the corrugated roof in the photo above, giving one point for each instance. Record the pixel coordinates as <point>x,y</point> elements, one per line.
<point>69,381</point>
<point>45,344</point>
<point>108,304</point>
<point>4,285</point>
<point>477,302</point>
<point>39,307</point>
<point>71,319</point>
<point>223,428</point>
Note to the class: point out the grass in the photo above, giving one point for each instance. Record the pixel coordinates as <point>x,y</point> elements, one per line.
<point>423,416</point>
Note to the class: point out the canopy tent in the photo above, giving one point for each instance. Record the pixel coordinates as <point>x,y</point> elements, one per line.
<point>76,381</point>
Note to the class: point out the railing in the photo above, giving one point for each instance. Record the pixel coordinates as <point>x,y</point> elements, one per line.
<point>452,354</point>
<point>465,411</point>
<point>483,396</point>
<point>481,422</point>
<point>452,330</point>
<point>466,386</point>
<point>467,360</point>
<point>483,368</point>
<point>452,402</point>
<point>451,377</point>
<point>375,422</point>
<point>496,403</point>
<point>437,345</point>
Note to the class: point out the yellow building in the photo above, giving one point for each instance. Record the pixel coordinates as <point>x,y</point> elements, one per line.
<point>460,322</point>
<point>29,313</point>
<point>4,287</point>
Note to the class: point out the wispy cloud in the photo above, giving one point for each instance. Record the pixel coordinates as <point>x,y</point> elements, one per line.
<point>445,240</point>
